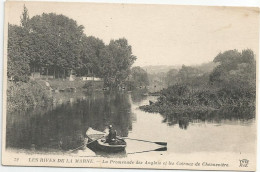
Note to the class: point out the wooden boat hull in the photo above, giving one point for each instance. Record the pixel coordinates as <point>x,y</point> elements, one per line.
<point>105,147</point>
<point>99,145</point>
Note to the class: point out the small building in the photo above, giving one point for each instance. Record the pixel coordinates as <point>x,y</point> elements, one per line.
<point>72,77</point>
<point>85,78</point>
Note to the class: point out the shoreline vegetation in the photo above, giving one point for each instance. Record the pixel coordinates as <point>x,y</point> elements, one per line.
<point>22,96</point>
<point>230,86</point>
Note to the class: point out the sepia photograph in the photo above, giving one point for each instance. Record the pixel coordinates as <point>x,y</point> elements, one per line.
<point>153,86</point>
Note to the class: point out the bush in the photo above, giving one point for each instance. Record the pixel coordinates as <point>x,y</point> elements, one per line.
<point>21,96</point>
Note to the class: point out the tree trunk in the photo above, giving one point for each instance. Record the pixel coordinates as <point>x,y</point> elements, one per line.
<point>33,70</point>
<point>40,71</point>
<point>47,73</point>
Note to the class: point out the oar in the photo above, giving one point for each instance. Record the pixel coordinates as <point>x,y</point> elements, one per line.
<point>158,149</point>
<point>159,143</point>
<point>87,143</point>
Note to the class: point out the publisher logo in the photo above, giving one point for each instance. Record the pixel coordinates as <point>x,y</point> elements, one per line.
<point>244,163</point>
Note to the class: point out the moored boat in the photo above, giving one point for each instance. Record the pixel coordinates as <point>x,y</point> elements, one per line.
<point>96,141</point>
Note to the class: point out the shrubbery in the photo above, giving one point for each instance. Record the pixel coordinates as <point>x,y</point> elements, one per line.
<point>21,96</point>
<point>230,85</point>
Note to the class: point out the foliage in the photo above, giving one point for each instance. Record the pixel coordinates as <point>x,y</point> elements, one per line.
<point>21,96</point>
<point>18,58</point>
<point>18,50</point>
<point>235,70</point>
<point>56,42</point>
<point>90,56</point>
<point>56,45</point>
<point>230,85</point>
<point>191,75</point>
<point>91,85</point>
<point>186,73</point>
<point>139,77</point>
<point>171,77</point>
<point>116,60</point>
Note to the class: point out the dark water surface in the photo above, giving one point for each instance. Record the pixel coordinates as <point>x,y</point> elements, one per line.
<point>62,127</point>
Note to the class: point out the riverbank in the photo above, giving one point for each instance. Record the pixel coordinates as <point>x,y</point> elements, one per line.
<point>183,100</point>
<point>22,95</point>
<point>78,84</point>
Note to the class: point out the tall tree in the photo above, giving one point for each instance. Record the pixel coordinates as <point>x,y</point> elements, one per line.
<point>90,56</point>
<point>25,18</point>
<point>235,71</point>
<point>57,42</point>
<point>18,61</point>
<point>19,49</point>
<point>116,60</point>
<point>139,76</point>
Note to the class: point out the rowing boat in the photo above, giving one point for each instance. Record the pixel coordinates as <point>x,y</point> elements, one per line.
<point>96,141</point>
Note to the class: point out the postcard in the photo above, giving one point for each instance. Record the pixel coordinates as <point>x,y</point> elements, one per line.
<point>130,86</point>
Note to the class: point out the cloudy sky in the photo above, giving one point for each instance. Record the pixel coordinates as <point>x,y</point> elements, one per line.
<point>159,34</point>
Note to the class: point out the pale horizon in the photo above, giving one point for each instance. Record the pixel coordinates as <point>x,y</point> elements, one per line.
<point>159,34</point>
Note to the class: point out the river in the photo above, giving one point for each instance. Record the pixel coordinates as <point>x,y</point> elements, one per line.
<point>61,127</point>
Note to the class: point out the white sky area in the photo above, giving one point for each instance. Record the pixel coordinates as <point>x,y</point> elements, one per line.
<point>159,34</point>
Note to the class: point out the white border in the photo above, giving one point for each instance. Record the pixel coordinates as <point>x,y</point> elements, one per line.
<point>247,3</point>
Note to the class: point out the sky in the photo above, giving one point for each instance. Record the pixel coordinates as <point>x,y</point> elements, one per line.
<point>159,34</point>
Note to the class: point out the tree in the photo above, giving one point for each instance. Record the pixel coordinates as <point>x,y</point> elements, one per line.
<point>19,49</point>
<point>186,73</point>
<point>55,44</point>
<point>116,60</point>
<point>171,77</point>
<point>233,62</point>
<point>90,56</point>
<point>139,77</point>
<point>18,61</point>
<point>236,74</point>
<point>25,18</point>
<point>57,41</point>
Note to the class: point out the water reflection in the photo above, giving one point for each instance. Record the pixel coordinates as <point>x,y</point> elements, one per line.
<point>138,95</point>
<point>64,126</point>
<point>237,114</point>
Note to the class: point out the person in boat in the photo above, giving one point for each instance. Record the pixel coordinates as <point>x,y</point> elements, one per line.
<point>111,137</point>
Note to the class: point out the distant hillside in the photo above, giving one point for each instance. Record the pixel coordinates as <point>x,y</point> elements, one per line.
<point>158,74</point>
<point>159,69</point>
<point>206,67</point>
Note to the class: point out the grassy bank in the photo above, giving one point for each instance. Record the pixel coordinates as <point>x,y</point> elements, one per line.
<point>22,96</point>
